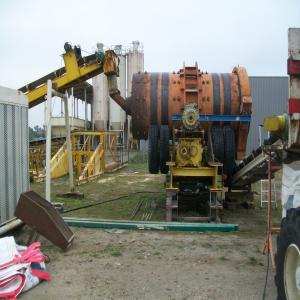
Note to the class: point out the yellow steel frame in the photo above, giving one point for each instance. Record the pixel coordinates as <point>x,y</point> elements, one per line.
<point>74,74</point>
<point>210,171</point>
<point>194,172</point>
<point>93,153</point>
<point>59,162</point>
<point>37,156</point>
<point>90,162</point>
<point>36,160</point>
<point>88,154</point>
<point>112,140</point>
<point>114,151</point>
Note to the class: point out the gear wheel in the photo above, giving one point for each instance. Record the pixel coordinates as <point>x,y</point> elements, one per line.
<point>190,117</point>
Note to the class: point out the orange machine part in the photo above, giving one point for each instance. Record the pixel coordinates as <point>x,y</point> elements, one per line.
<point>156,97</point>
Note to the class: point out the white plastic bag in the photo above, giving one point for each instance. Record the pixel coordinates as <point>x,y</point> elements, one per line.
<point>21,268</point>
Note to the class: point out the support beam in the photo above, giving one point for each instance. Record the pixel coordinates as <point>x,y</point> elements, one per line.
<point>48,140</point>
<point>85,110</point>
<point>69,145</point>
<point>194,172</point>
<point>75,71</point>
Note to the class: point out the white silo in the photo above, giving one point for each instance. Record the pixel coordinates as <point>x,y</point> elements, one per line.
<point>135,63</point>
<point>100,103</point>
<point>105,111</point>
<point>116,113</point>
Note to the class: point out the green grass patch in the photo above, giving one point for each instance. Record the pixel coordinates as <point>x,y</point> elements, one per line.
<point>127,181</point>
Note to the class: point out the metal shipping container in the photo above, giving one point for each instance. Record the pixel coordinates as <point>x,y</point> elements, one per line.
<point>14,175</point>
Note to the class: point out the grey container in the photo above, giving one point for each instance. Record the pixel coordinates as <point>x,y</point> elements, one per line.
<point>14,174</point>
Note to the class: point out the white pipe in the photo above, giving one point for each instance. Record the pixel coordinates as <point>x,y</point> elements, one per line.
<point>85,111</point>
<point>69,146</point>
<point>10,226</point>
<point>45,115</point>
<point>58,94</point>
<point>259,135</point>
<point>48,140</point>
<point>77,103</point>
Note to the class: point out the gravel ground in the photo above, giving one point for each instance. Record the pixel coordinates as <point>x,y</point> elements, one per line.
<point>117,264</point>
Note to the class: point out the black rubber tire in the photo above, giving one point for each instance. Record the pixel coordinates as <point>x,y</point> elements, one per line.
<point>289,234</point>
<point>153,154</point>
<point>218,143</point>
<point>229,151</point>
<point>164,148</point>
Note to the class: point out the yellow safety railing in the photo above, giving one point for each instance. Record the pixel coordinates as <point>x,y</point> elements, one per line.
<point>93,153</point>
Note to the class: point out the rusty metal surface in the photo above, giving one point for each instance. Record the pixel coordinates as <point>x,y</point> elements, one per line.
<point>42,217</point>
<point>140,104</point>
<point>111,63</point>
<point>158,96</point>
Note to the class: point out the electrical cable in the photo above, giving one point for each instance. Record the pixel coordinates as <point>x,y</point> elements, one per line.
<point>86,51</point>
<point>110,200</point>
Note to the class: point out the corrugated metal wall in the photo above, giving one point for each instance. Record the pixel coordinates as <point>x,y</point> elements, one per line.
<point>269,96</point>
<point>14,176</point>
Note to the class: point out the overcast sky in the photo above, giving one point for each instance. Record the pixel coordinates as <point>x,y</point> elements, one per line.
<point>217,34</point>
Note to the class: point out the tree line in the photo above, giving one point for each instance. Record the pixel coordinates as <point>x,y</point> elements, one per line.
<point>36,132</point>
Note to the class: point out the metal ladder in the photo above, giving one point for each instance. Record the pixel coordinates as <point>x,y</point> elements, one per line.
<point>264,192</point>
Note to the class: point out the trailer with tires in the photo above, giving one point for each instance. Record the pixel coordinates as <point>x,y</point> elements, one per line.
<point>196,124</point>
<point>287,128</point>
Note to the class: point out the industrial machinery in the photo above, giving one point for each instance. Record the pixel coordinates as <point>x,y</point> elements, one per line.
<point>287,128</point>
<point>197,126</point>
<point>93,151</point>
<point>76,70</point>
<point>196,123</point>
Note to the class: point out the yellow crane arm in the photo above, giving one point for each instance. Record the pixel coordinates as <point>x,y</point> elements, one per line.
<point>76,70</point>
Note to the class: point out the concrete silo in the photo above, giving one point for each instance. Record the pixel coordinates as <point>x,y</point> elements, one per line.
<point>100,103</point>
<point>135,63</point>
<point>117,116</point>
<point>107,115</point>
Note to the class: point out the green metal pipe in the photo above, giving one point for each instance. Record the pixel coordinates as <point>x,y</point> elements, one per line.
<point>141,225</point>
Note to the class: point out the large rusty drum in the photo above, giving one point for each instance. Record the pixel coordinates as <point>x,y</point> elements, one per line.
<point>156,97</point>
